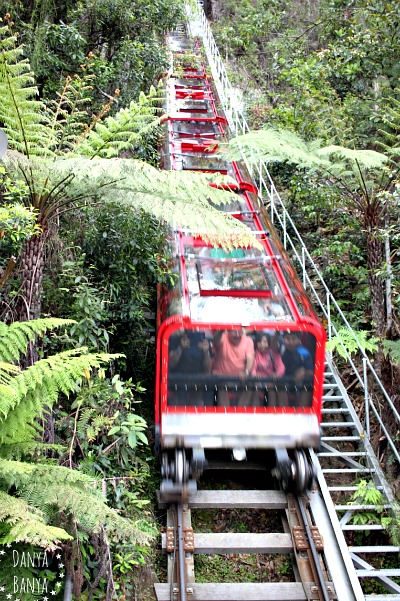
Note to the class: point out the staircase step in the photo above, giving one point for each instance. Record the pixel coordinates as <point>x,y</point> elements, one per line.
<point>337,424</point>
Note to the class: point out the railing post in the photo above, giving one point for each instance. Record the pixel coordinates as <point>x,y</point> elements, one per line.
<point>366,397</point>
<point>284,230</point>
<point>272,200</point>
<point>303,264</point>
<point>328,312</point>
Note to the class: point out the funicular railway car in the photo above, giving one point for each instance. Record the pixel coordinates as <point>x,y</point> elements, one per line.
<point>240,352</point>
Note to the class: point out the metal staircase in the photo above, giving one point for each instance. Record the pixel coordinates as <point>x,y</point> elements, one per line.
<point>346,454</point>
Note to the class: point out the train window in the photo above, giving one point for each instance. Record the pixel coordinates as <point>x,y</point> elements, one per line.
<point>203,162</point>
<point>192,105</point>
<point>229,368</point>
<point>170,294</point>
<point>190,82</point>
<point>302,302</point>
<point>195,129</point>
<point>233,289</point>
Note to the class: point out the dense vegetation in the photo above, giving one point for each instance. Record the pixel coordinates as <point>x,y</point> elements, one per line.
<point>76,391</point>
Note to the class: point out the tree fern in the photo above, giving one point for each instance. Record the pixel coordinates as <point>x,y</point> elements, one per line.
<point>14,338</point>
<point>349,342</point>
<point>26,522</point>
<point>175,197</point>
<point>48,488</point>
<point>22,116</point>
<point>181,198</point>
<point>32,449</point>
<point>38,387</point>
<point>41,490</point>
<point>278,145</point>
<point>112,135</point>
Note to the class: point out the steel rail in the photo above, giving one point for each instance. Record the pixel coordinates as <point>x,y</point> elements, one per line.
<point>181,554</point>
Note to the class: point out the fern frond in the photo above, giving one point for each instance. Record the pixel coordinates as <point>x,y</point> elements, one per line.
<point>21,115</point>
<point>21,475</point>
<point>112,135</point>
<point>38,387</point>
<point>14,338</point>
<point>349,341</point>
<point>90,511</point>
<point>278,145</point>
<point>34,449</point>
<point>70,491</point>
<point>369,159</point>
<point>67,115</point>
<point>179,197</point>
<point>26,523</point>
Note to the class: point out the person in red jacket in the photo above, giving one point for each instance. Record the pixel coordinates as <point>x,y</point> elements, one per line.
<point>234,356</point>
<point>267,363</point>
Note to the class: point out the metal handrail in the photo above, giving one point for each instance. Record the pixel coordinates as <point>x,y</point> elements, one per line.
<point>329,307</point>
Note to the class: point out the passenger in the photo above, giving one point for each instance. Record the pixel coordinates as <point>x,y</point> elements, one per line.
<point>298,364</point>
<point>271,309</point>
<point>223,273</point>
<point>268,364</point>
<point>189,354</point>
<point>234,356</point>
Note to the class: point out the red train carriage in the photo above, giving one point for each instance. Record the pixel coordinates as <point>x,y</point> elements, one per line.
<point>240,352</point>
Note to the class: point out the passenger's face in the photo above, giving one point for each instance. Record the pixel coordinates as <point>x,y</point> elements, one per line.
<point>263,345</point>
<point>291,341</point>
<point>234,336</point>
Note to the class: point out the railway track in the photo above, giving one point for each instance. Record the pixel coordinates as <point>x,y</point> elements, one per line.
<point>298,539</point>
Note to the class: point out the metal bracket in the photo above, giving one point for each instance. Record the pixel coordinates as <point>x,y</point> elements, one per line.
<point>170,540</point>
<point>188,539</point>
<point>313,592</point>
<point>301,540</point>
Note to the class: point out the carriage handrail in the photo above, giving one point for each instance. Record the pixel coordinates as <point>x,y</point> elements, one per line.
<point>259,170</point>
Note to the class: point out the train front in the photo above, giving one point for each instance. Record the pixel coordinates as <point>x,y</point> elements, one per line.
<point>240,365</point>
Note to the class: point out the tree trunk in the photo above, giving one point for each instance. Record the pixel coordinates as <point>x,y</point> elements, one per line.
<point>32,277</point>
<point>375,259</point>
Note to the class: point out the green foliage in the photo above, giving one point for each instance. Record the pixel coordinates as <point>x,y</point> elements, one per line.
<point>368,494</point>
<point>391,349</point>
<point>281,145</point>
<point>349,342</point>
<point>103,420</point>
<point>27,393</point>
<point>14,338</point>
<point>41,490</point>
<point>17,223</point>
<point>26,522</point>
<point>180,197</point>
<point>58,50</point>
<point>111,135</point>
<point>131,428</point>
<point>22,116</point>
<point>88,308</point>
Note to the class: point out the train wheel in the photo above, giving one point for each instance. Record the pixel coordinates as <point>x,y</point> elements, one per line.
<point>302,472</point>
<point>181,467</point>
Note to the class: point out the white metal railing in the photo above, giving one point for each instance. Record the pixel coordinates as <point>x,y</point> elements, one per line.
<point>293,242</point>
